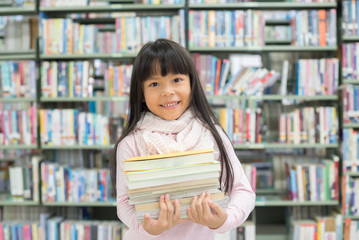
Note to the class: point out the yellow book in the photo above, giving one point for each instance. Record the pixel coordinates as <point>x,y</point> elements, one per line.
<point>167,160</point>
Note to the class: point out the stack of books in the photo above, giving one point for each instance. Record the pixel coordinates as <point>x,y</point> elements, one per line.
<point>183,175</point>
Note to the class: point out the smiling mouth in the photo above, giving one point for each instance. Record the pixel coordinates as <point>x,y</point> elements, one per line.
<point>170,104</point>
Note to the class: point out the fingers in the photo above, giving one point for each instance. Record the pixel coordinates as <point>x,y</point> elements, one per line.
<point>192,211</point>
<point>199,206</point>
<point>162,217</point>
<point>205,205</point>
<point>169,206</point>
<point>177,214</point>
<point>216,208</point>
<point>147,221</point>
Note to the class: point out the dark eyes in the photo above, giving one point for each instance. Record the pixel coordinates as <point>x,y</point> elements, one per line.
<point>155,84</point>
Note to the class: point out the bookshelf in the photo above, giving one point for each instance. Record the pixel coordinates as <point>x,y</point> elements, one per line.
<point>266,198</point>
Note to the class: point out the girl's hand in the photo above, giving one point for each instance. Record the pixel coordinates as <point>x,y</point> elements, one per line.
<point>206,212</point>
<point>166,219</point>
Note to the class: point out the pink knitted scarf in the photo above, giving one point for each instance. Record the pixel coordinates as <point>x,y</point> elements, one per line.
<point>155,135</point>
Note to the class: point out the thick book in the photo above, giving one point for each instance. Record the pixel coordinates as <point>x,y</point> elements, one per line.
<point>167,160</point>
<point>171,179</point>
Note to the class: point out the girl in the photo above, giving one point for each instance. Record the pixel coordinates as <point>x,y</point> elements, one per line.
<point>169,112</point>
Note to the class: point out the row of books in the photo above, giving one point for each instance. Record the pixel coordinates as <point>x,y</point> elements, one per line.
<point>320,228</point>
<point>67,79</point>
<point>350,190</point>
<point>183,175</point>
<point>313,181</point>
<point>350,103</point>
<point>350,68</point>
<point>309,125</point>
<point>236,1</point>
<point>247,27</point>
<point>80,38</point>
<point>117,80</point>
<point>67,3</point>
<point>317,76</point>
<point>20,3</point>
<point>243,125</point>
<point>133,31</point>
<point>56,228</point>
<point>213,73</point>
<point>350,150</point>
<point>351,230</point>
<point>350,18</point>
<point>64,36</point>
<point>251,172</point>
<point>329,223</point>
<point>19,33</point>
<point>63,3</point>
<point>70,126</point>
<point>12,153</point>
<point>17,79</point>
<point>18,127</point>
<point>23,178</point>
<point>61,183</point>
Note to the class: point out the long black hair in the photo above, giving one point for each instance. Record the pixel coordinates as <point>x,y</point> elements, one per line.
<point>172,58</point>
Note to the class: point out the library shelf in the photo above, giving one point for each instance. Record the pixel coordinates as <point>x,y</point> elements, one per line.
<point>351,125</point>
<point>7,200</point>
<point>80,204</point>
<point>11,147</point>
<point>7,159</point>
<point>287,48</point>
<point>114,56</point>
<point>277,22</point>
<point>228,97</point>
<point>272,237</point>
<point>7,11</point>
<point>18,55</point>
<point>283,145</point>
<point>271,232</point>
<point>112,8</point>
<point>83,99</point>
<point>17,99</point>
<point>350,81</point>
<point>277,97</point>
<point>269,191</point>
<point>277,201</point>
<point>277,42</point>
<point>84,147</point>
<point>352,174</point>
<point>263,5</point>
<point>347,38</point>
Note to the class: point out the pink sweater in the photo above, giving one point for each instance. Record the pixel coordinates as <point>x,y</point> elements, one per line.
<point>241,203</point>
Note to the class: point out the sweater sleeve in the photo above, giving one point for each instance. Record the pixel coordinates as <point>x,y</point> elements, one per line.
<point>126,212</point>
<point>241,198</point>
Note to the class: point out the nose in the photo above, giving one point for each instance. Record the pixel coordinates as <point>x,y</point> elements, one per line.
<point>167,90</point>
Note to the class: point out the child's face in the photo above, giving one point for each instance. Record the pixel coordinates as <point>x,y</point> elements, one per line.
<point>169,96</point>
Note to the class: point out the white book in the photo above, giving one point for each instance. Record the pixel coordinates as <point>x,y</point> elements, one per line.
<point>172,172</point>
<point>85,78</point>
<point>169,180</point>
